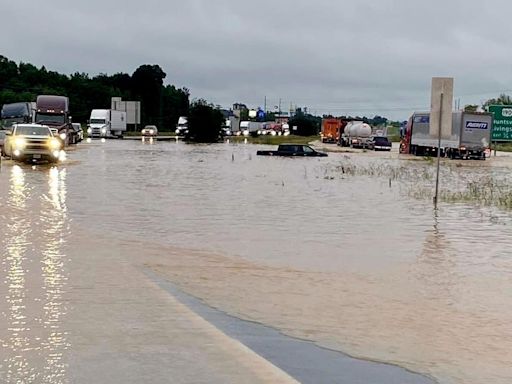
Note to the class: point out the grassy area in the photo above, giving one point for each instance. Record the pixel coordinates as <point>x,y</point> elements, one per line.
<point>274,140</point>
<point>505,147</point>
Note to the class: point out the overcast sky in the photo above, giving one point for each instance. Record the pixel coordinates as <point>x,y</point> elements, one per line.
<point>341,57</point>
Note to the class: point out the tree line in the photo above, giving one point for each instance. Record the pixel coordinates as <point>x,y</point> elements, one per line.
<point>160,104</point>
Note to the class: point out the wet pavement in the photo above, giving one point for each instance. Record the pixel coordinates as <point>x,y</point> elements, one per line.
<point>330,250</point>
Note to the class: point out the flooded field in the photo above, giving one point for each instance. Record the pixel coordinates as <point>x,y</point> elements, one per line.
<point>345,250</point>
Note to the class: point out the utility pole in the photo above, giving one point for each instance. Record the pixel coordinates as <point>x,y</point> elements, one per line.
<point>265,105</point>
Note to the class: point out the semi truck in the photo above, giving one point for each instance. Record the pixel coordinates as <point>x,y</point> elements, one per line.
<point>107,123</point>
<point>356,134</point>
<point>53,111</point>
<point>469,138</point>
<point>331,130</point>
<point>23,112</point>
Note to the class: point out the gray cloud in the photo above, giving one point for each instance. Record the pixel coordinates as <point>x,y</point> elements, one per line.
<point>341,57</point>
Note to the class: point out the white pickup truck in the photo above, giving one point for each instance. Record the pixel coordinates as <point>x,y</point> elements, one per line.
<point>32,142</point>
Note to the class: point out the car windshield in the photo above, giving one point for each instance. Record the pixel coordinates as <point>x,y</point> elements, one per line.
<point>97,121</point>
<point>381,140</point>
<point>32,131</point>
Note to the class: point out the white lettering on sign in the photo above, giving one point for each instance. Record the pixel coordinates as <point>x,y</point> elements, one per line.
<point>506,112</point>
<point>476,125</point>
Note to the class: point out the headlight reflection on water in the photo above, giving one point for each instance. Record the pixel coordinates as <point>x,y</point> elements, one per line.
<point>34,277</point>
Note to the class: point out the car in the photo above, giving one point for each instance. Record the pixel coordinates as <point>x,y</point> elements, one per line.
<point>379,143</point>
<point>3,134</point>
<point>149,131</point>
<point>293,150</point>
<point>79,131</point>
<point>34,142</point>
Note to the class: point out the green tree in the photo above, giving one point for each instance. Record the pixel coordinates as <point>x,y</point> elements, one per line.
<point>502,99</point>
<point>204,123</point>
<point>147,83</point>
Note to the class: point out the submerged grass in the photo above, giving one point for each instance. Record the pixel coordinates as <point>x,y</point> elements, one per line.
<point>465,185</point>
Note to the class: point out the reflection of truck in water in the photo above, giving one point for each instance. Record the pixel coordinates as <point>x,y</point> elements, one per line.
<point>469,138</point>
<point>53,111</point>
<point>23,112</point>
<point>331,130</point>
<point>356,135</point>
<point>105,123</point>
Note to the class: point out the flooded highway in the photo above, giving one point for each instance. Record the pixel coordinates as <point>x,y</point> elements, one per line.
<point>345,251</point>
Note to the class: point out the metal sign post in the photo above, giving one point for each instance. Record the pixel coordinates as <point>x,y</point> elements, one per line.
<point>439,151</point>
<point>441,119</point>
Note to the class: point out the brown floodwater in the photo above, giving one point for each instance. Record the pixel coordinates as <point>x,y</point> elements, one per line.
<point>327,249</point>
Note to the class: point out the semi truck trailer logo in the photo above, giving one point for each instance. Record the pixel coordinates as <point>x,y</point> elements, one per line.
<point>476,125</point>
<point>506,112</point>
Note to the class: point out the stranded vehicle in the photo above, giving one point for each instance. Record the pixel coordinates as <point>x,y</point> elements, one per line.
<point>182,126</point>
<point>293,150</point>
<point>107,123</point>
<point>149,131</point>
<point>379,143</point>
<point>469,138</point>
<point>53,111</point>
<point>17,113</point>
<point>356,134</point>
<point>331,130</point>
<point>33,142</point>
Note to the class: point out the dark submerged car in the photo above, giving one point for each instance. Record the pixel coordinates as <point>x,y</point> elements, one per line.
<point>290,150</point>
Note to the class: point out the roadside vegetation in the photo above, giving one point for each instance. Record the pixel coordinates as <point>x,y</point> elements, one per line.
<point>468,186</point>
<point>204,123</point>
<point>274,140</point>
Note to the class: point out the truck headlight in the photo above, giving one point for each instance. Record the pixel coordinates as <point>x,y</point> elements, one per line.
<point>103,130</point>
<point>89,131</point>
<point>54,143</point>
<point>63,136</point>
<point>20,142</point>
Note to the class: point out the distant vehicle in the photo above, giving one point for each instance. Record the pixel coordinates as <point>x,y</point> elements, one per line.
<point>34,142</point>
<point>331,130</point>
<point>469,138</point>
<point>291,150</point>
<point>53,111</point>
<point>379,143</point>
<point>149,131</point>
<point>182,126</point>
<point>23,112</point>
<point>355,135</point>
<point>2,140</point>
<point>107,123</point>
<point>79,131</point>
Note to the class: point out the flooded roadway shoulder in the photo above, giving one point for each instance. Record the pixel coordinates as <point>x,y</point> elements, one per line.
<point>303,360</point>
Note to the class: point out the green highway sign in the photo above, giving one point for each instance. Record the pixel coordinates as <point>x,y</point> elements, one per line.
<point>502,124</point>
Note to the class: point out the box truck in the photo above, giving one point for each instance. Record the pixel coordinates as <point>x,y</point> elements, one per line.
<point>106,123</point>
<point>470,136</point>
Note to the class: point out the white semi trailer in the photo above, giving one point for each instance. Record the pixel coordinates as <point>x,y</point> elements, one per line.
<point>469,138</point>
<point>106,123</point>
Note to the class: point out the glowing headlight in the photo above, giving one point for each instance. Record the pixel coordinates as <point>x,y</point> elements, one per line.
<point>63,136</point>
<point>54,143</point>
<point>177,131</point>
<point>151,132</point>
<point>20,142</point>
<point>89,131</point>
<point>103,130</point>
